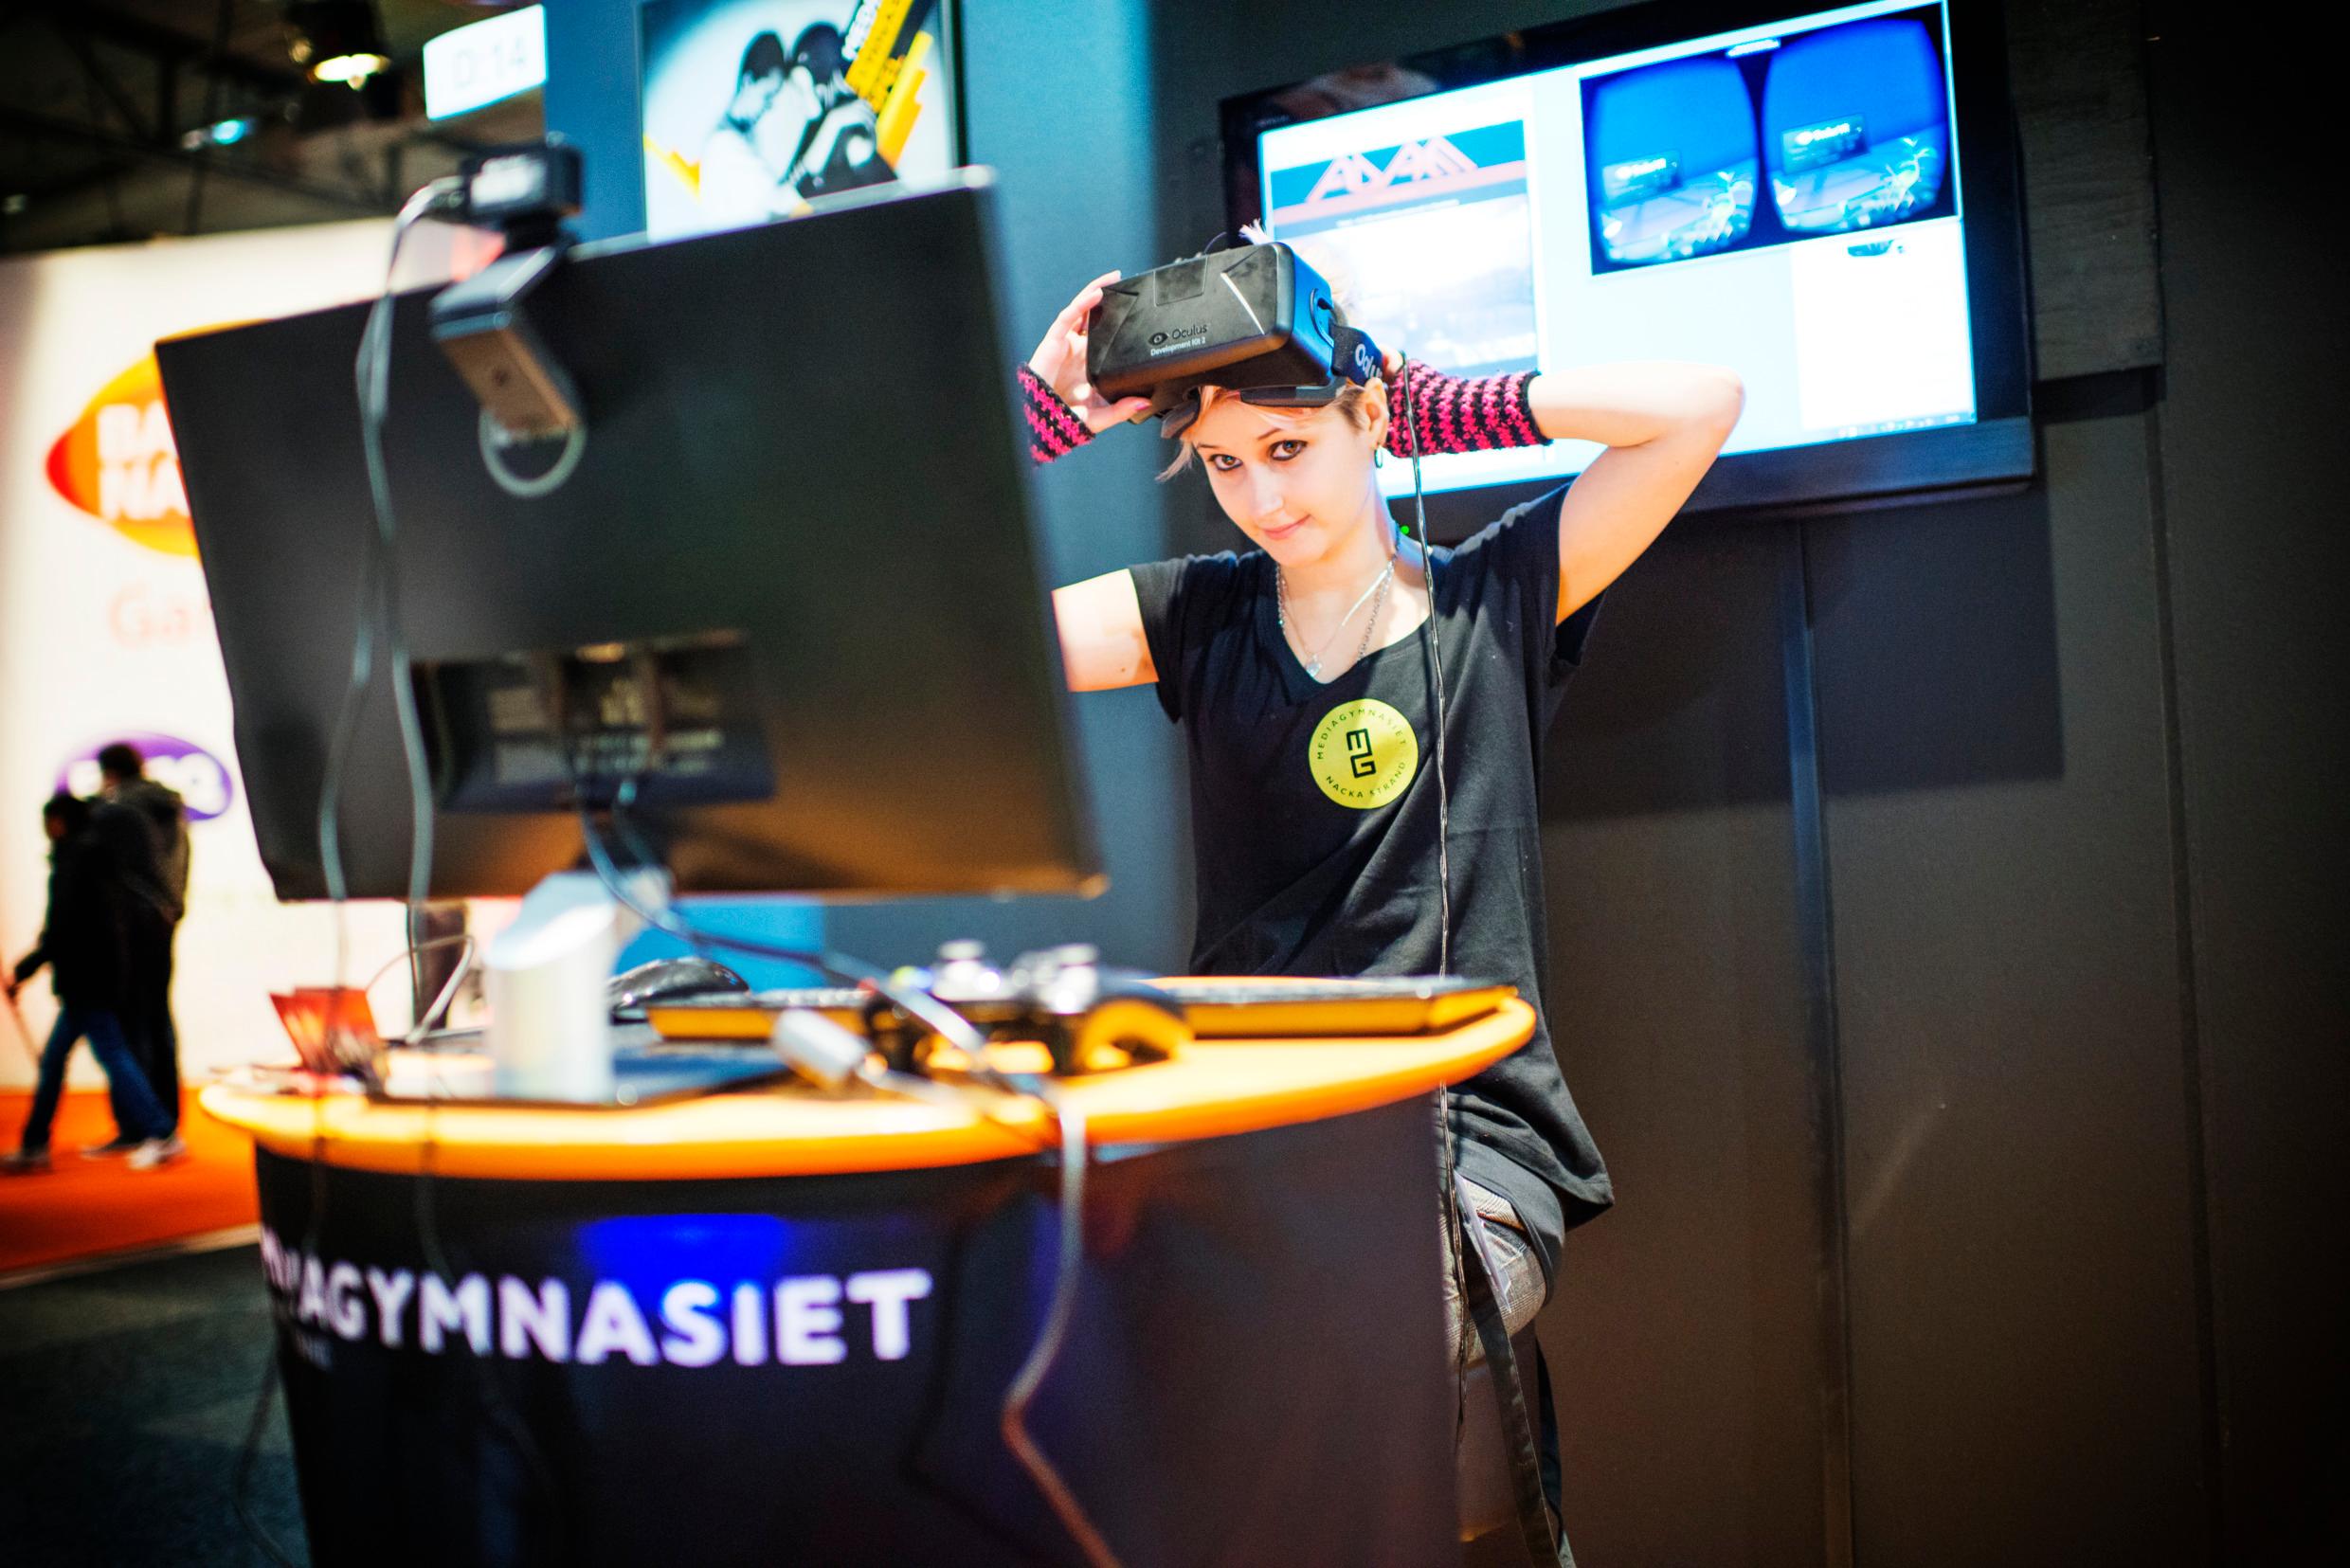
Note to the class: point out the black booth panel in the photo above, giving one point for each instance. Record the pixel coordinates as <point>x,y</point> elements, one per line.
<point>1685,1339</point>
<point>2254,523</point>
<point>2020,1188</point>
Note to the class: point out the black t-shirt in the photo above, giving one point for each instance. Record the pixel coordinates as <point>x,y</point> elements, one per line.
<point>1314,812</point>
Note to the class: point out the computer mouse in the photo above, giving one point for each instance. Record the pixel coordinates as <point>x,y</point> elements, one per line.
<point>631,991</point>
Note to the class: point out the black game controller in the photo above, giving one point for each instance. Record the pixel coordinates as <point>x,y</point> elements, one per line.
<point>1064,998</point>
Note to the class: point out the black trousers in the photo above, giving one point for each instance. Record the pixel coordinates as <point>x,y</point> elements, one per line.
<point>147,1026</point>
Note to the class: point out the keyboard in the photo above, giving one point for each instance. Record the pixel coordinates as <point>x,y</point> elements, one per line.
<point>1252,1008</point>
<point>1217,1007</point>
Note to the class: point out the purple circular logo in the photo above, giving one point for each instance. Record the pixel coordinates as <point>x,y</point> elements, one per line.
<point>202,780</point>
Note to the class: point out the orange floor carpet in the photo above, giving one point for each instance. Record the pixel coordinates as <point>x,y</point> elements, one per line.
<point>90,1206</point>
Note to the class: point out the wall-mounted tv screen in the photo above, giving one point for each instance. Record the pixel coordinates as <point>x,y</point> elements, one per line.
<point>1823,200</point>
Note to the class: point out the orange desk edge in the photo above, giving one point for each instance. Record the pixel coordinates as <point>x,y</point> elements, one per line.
<point>1213,1089</point>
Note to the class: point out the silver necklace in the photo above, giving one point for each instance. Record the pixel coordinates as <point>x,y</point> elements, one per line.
<point>1379,586</point>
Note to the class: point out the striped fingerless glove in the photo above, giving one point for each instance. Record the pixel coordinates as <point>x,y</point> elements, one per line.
<point>1455,415</point>
<point>1053,428</point>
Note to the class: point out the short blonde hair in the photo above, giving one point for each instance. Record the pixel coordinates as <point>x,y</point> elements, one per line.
<point>1352,401</point>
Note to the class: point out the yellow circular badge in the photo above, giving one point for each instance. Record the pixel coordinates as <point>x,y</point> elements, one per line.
<point>1363,754</point>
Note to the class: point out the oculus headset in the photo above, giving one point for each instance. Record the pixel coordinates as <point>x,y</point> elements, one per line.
<point>1255,318</point>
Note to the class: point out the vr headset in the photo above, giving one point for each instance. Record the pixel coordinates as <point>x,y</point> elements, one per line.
<point>1255,319</point>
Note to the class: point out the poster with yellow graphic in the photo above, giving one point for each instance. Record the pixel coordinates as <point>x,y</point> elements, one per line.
<point>755,109</point>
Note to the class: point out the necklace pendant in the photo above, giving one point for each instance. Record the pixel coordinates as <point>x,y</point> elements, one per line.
<point>1313,667</point>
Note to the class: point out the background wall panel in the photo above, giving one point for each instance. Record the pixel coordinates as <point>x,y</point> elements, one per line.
<point>2061,942</point>
<point>1682,1337</point>
<point>2020,1190</point>
<point>2253,522</point>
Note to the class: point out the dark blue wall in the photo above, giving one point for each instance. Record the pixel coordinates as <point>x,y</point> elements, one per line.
<point>592,98</point>
<point>1057,98</point>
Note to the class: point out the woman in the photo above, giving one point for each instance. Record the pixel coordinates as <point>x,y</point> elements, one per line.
<point>85,945</point>
<point>1295,670</point>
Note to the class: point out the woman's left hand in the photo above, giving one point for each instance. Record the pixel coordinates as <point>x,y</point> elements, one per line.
<point>1060,360</point>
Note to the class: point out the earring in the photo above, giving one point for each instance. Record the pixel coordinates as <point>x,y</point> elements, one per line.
<point>1379,456</point>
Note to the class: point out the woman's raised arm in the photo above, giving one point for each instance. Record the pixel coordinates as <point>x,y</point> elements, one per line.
<point>1102,644</point>
<point>1663,425</point>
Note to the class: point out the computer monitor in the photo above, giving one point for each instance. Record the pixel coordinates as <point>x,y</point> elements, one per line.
<point>1823,197</point>
<point>801,515</point>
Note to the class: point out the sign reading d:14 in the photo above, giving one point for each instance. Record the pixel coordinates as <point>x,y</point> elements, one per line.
<point>476,64</point>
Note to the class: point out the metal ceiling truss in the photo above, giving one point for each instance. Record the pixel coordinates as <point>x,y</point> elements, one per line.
<point>151,131</point>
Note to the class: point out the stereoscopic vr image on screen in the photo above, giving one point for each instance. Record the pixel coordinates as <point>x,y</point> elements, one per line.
<point>1783,195</point>
<point>1848,124</point>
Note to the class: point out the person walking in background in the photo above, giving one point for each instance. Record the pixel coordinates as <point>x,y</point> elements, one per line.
<point>85,945</point>
<point>145,825</point>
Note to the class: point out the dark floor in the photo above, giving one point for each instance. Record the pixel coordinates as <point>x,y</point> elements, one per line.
<point>125,1398</point>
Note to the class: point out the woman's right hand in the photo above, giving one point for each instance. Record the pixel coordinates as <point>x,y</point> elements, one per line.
<point>1060,360</point>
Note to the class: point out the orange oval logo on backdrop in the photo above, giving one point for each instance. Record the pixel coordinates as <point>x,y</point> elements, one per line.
<point>119,464</point>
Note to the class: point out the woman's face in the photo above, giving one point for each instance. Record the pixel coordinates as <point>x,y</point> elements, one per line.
<point>1296,481</point>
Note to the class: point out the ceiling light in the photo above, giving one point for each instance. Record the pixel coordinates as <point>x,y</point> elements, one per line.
<point>349,69</point>
<point>338,41</point>
<point>226,132</point>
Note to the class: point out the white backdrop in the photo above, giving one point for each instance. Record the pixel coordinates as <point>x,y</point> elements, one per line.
<point>105,631</point>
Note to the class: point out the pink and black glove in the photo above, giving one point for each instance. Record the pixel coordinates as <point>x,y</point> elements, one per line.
<point>1053,428</point>
<point>1457,415</point>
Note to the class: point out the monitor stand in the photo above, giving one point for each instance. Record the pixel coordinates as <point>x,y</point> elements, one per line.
<point>550,1024</point>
